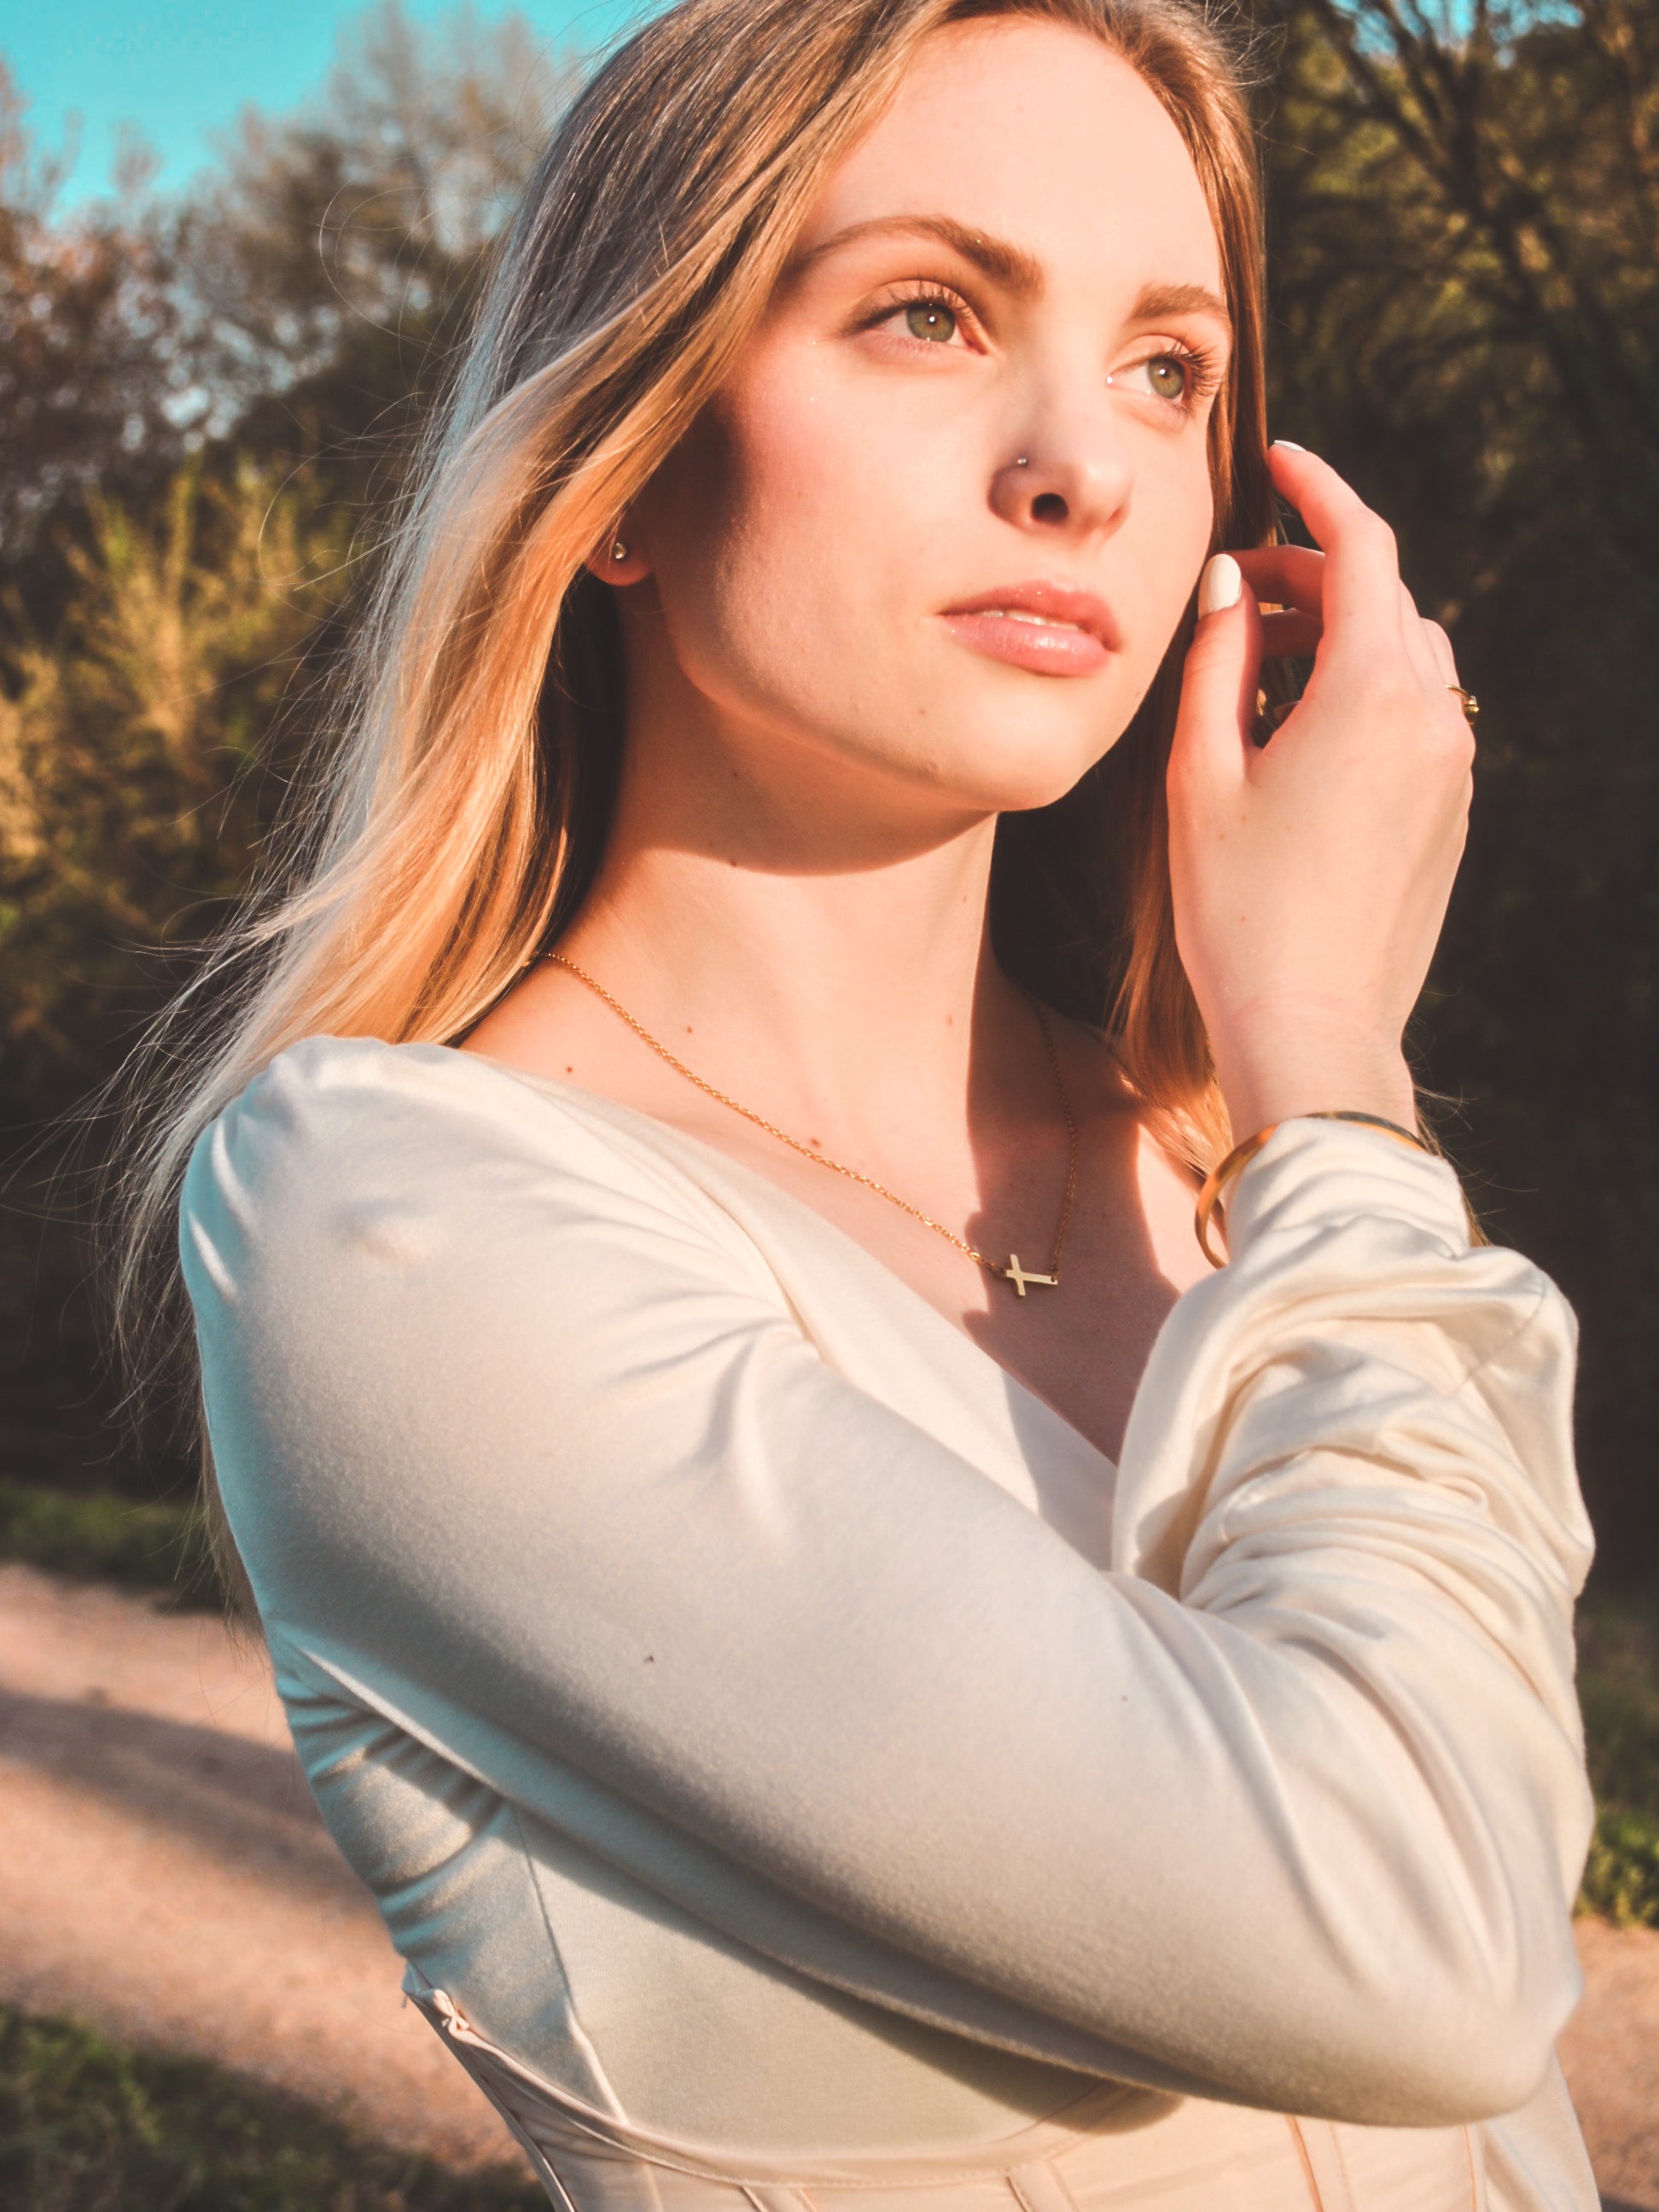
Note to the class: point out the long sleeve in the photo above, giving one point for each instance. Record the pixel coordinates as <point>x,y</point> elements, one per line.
<point>524,1448</point>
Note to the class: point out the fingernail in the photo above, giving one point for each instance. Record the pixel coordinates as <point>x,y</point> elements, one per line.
<point>1219,586</point>
<point>1289,445</point>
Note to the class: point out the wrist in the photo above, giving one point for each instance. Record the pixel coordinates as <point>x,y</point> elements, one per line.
<point>1275,1067</point>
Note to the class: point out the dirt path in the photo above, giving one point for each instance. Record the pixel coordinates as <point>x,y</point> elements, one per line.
<point>1611,2054</point>
<point>169,1879</point>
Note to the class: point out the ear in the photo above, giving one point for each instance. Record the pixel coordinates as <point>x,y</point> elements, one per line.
<point>620,559</point>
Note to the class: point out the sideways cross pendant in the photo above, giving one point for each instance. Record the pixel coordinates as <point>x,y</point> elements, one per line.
<point>1018,1276</point>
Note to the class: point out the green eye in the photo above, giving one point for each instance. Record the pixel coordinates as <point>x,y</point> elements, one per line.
<point>930,320</point>
<point>1168,376</point>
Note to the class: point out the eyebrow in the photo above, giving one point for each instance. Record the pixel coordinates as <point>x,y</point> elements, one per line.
<point>1013,268</point>
<point>1010,267</point>
<point>1155,300</point>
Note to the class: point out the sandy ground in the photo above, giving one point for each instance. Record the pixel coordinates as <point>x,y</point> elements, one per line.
<point>1611,2054</point>
<point>168,1876</point>
<point>169,1879</point>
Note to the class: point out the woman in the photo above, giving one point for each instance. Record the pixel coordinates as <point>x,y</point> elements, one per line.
<point>849,1658</point>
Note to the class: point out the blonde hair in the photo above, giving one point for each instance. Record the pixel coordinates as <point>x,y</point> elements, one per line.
<point>467,797</point>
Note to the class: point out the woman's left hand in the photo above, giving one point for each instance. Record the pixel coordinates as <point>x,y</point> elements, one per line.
<point>1310,876</point>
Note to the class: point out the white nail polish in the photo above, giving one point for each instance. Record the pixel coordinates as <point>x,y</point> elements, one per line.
<point>1222,581</point>
<point>1290,445</point>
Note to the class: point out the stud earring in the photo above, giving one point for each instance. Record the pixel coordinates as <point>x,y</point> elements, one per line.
<point>618,551</point>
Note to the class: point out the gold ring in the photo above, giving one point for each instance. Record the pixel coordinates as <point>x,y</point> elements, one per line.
<point>1466,700</point>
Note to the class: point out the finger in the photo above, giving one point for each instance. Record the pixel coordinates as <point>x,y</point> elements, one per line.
<point>1360,585</point>
<point>1440,647</point>
<point>1290,635</point>
<point>1428,648</point>
<point>1287,575</point>
<point>1414,639</point>
<point>1219,684</point>
<point>1293,576</point>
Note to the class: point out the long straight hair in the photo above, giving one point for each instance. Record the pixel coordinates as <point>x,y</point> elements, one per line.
<point>465,793</point>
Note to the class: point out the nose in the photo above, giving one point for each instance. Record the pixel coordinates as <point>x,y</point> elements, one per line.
<point>1070,481</point>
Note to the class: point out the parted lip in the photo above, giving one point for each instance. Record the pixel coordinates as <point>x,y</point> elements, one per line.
<point>1055,603</point>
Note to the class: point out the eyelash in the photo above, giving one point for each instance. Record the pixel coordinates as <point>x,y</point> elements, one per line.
<point>924,296</point>
<point>1203,372</point>
<point>1203,367</point>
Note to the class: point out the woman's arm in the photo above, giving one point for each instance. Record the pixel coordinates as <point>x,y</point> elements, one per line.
<point>519,1442</point>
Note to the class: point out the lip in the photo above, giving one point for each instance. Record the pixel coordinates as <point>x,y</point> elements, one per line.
<point>1038,625</point>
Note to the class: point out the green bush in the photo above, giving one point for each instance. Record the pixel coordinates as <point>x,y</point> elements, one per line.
<point>88,2127</point>
<point>1621,1879</point>
<point>1618,1691</point>
<point>108,1537</point>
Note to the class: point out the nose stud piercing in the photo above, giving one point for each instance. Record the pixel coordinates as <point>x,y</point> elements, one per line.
<point>618,551</point>
<point>1023,462</point>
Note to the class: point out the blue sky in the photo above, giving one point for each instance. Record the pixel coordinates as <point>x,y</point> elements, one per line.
<point>181,69</point>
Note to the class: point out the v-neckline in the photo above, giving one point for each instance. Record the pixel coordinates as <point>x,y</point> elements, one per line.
<point>665,1136</point>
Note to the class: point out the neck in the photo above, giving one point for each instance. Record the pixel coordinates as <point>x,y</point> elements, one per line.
<point>762,911</point>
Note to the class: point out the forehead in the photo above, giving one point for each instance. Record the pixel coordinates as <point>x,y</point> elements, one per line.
<point>1040,135</point>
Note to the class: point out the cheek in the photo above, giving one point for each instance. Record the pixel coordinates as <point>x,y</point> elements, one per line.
<point>1178,516</point>
<point>794,511</point>
<point>815,485</point>
<point>721,521</point>
<point>1158,558</point>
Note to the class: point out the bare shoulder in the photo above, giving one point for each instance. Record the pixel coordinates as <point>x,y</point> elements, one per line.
<point>547,1025</point>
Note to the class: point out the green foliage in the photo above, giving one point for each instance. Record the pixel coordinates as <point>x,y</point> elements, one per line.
<point>204,405</point>
<point>86,2126</point>
<point>93,388</point>
<point>1464,259</point>
<point>127,810</point>
<point>1621,1877</point>
<point>1464,252</point>
<point>101,1535</point>
<point>1466,262</point>
<point>141,742</point>
<point>334,260</point>
<point>1618,1691</point>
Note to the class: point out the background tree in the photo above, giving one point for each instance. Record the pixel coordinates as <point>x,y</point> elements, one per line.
<point>91,385</point>
<point>1465,260</point>
<point>335,256</point>
<point>203,410</point>
<point>202,407</point>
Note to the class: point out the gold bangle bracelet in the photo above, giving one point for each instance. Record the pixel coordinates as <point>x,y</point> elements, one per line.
<point>1209,1197</point>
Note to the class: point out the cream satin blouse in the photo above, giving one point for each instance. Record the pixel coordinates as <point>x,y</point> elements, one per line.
<point>797,1766</point>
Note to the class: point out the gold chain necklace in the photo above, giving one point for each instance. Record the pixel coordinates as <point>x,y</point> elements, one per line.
<point>1013,1273</point>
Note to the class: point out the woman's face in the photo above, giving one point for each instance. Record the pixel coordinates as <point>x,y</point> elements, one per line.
<point>941,521</point>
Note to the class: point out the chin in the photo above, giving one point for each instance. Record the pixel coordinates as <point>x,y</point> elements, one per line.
<point>1014,769</point>
<point>977,786</point>
<point>976,750</point>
